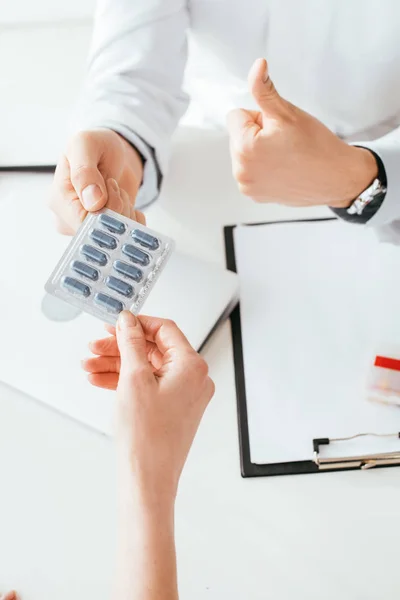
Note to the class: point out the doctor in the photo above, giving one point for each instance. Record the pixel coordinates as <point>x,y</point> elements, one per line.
<point>333,75</point>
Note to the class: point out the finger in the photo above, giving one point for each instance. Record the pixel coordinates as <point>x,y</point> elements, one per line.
<point>110,328</point>
<point>64,200</point>
<point>263,89</point>
<point>242,122</point>
<point>105,347</point>
<point>126,203</point>
<point>148,323</point>
<point>209,389</point>
<point>132,346</point>
<point>108,347</point>
<point>138,216</point>
<point>107,381</point>
<point>154,356</point>
<point>130,182</point>
<point>164,333</point>
<point>114,201</point>
<point>84,155</point>
<point>102,364</point>
<point>10,596</point>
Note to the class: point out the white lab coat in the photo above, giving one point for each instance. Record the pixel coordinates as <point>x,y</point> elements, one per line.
<point>337,59</point>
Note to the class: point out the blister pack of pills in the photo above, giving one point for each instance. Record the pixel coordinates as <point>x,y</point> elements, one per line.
<point>110,265</point>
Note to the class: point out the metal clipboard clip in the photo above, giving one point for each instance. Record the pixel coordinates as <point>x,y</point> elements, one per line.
<point>367,461</point>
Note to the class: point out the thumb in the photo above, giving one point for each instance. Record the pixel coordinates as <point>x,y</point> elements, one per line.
<point>262,88</point>
<point>83,156</point>
<point>132,344</point>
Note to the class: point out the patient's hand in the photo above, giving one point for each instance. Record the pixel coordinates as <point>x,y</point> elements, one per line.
<point>105,366</point>
<point>163,389</point>
<point>9,596</point>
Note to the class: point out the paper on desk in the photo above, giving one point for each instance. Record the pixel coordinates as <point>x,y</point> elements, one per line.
<point>315,299</point>
<point>42,357</point>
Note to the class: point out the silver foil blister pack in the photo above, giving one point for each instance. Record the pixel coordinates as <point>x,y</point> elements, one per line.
<point>110,265</point>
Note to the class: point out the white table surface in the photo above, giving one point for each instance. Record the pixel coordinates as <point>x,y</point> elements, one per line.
<point>303,537</point>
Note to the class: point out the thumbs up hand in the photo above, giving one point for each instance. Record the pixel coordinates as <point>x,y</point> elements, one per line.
<point>282,154</point>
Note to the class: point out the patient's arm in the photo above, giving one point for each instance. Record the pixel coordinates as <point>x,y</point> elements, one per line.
<point>163,389</point>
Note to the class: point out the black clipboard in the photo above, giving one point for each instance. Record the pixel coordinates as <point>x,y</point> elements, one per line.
<point>248,468</point>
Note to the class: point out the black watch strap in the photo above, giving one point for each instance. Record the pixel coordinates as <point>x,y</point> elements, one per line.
<point>372,207</point>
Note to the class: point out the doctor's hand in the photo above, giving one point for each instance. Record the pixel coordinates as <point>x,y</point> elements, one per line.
<point>163,389</point>
<point>282,154</point>
<point>99,168</point>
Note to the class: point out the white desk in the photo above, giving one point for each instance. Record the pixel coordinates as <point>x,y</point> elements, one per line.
<point>290,538</point>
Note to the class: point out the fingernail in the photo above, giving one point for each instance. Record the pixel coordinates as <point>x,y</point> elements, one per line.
<point>113,184</point>
<point>91,195</point>
<point>126,319</point>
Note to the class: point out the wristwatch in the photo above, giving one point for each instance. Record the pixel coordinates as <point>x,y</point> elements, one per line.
<point>363,208</point>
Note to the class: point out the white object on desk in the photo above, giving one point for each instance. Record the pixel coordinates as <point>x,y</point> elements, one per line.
<point>312,296</point>
<point>194,293</point>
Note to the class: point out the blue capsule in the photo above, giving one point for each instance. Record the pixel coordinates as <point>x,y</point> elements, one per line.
<point>136,255</point>
<point>117,285</point>
<point>85,270</point>
<point>112,224</point>
<point>94,255</point>
<point>108,303</point>
<point>76,287</point>
<point>104,240</point>
<point>145,239</point>
<point>128,270</point>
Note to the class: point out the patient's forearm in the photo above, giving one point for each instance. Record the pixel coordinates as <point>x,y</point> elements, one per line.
<point>146,560</point>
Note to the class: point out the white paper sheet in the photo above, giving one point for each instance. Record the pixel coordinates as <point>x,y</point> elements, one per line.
<point>41,357</point>
<point>316,300</point>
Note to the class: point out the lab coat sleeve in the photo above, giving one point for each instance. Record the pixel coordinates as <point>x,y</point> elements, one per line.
<point>388,148</point>
<point>134,82</point>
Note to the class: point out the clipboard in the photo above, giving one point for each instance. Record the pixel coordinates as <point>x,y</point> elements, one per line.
<point>317,462</point>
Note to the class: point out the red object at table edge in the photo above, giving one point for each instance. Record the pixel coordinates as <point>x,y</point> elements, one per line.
<point>387,363</point>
